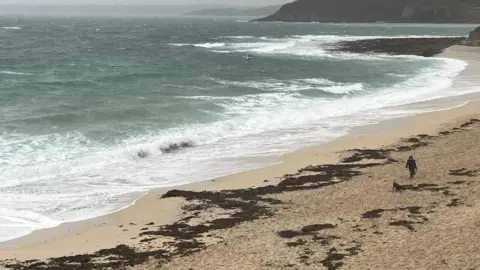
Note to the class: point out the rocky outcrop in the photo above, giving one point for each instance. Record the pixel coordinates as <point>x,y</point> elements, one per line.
<point>413,11</point>
<point>475,34</point>
<point>426,47</point>
<point>473,38</point>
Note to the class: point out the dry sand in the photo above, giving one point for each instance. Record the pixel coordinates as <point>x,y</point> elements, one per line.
<point>441,219</point>
<point>435,235</point>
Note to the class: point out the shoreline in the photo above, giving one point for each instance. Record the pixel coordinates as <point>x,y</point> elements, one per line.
<point>267,160</point>
<point>62,229</point>
<point>45,234</point>
<point>49,242</point>
<point>364,142</point>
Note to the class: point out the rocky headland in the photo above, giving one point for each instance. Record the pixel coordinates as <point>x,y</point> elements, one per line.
<point>367,11</point>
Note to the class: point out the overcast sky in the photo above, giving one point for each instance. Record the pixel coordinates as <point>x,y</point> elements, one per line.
<point>145,2</point>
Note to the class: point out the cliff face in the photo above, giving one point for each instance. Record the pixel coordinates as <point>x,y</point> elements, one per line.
<point>474,37</point>
<point>421,11</point>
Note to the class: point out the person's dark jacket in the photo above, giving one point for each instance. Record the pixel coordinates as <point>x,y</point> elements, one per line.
<point>411,164</point>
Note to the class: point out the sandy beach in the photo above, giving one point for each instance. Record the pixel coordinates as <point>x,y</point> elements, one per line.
<point>324,207</point>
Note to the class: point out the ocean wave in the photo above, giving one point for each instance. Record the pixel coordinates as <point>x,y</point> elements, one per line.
<point>174,147</point>
<point>330,38</point>
<point>8,72</point>
<point>12,28</point>
<point>325,85</point>
<point>16,223</point>
<point>181,44</point>
<point>310,46</point>
<point>269,85</point>
<point>238,37</point>
<point>291,47</point>
<point>253,124</point>
<point>258,113</point>
<point>337,38</point>
<point>344,88</point>
<point>243,117</point>
<point>168,148</point>
<point>280,106</point>
<point>210,45</point>
<point>397,75</point>
<point>221,51</point>
<point>429,83</point>
<point>200,45</point>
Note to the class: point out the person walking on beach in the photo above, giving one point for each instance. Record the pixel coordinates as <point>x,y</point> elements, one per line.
<point>412,166</point>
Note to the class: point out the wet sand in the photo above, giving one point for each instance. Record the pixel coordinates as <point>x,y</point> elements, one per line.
<point>300,216</point>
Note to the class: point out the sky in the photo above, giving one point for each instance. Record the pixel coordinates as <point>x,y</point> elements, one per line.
<point>145,2</point>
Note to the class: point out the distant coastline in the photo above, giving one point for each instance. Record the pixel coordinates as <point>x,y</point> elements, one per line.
<point>235,11</point>
<point>127,10</point>
<point>370,11</point>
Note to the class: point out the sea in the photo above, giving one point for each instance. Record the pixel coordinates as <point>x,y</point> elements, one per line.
<point>95,112</point>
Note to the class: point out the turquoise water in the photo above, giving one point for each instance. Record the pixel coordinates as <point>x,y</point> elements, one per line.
<point>94,109</point>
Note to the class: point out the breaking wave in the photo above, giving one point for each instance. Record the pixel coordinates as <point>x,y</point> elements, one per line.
<point>316,46</point>
<point>325,85</point>
<point>7,72</point>
<point>12,28</point>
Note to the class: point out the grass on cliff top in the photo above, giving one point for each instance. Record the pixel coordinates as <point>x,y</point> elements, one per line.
<point>477,29</point>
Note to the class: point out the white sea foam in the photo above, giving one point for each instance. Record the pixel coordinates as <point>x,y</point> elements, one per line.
<point>238,37</point>
<point>210,45</point>
<point>397,75</point>
<point>8,72</point>
<point>12,28</point>
<point>180,44</point>
<point>220,51</point>
<point>343,89</point>
<point>16,223</point>
<point>273,85</point>
<point>336,38</point>
<point>310,46</point>
<point>200,45</point>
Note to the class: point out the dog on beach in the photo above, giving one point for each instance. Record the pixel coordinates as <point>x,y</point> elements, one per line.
<point>397,187</point>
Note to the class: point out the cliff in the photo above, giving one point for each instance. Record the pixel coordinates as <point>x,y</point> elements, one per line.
<point>473,38</point>
<point>408,11</point>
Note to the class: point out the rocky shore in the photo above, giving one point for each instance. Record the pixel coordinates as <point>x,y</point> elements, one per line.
<point>426,47</point>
